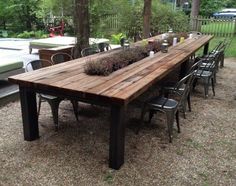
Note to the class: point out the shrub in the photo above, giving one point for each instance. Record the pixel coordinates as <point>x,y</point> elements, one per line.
<point>32,34</point>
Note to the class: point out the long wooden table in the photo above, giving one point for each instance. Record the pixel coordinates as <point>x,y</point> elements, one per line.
<point>116,90</point>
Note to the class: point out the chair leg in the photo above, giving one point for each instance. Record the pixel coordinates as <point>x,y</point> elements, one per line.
<point>170,121</point>
<point>75,105</point>
<point>143,111</point>
<point>54,104</point>
<point>206,87</point>
<point>194,83</point>
<point>39,105</point>
<point>189,102</point>
<point>214,77</point>
<point>184,108</point>
<point>213,86</point>
<point>151,114</point>
<point>177,120</point>
<point>222,57</point>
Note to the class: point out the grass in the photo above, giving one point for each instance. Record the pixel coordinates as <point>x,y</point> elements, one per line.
<point>230,50</point>
<point>219,27</point>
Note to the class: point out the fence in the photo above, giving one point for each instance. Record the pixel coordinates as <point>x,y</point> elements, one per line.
<point>111,21</point>
<point>216,26</point>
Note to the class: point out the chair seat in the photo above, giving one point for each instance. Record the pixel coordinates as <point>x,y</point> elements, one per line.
<point>49,97</point>
<point>203,73</point>
<point>162,102</point>
<point>207,65</point>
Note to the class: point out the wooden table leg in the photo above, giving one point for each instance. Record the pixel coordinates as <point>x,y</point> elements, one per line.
<point>117,137</point>
<point>29,114</point>
<point>205,51</point>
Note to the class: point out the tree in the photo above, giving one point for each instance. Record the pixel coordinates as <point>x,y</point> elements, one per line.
<point>195,8</point>
<point>82,28</point>
<point>147,11</point>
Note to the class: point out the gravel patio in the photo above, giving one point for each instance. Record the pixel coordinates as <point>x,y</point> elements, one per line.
<point>204,153</point>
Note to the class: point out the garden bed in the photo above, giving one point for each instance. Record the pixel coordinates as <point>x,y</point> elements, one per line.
<point>106,65</point>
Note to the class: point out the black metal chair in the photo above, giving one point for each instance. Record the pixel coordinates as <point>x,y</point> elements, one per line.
<point>205,70</point>
<point>52,100</point>
<point>89,51</point>
<point>60,57</point>
<point>195,33</point>
<point>170,88</point>
<point>104,47</point>
<point>169,107</point>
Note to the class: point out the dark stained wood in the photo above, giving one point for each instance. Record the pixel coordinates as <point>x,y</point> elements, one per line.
<point>47,53</point>
<point>29,114</point>
<point>117,137</point>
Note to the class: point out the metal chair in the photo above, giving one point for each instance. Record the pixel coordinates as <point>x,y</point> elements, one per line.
<point>170,88</point>
<point>52,100</point>
<point>206,69</point>
<point>104,47</point>
<point>195,33</point>
<point>60,57</point>
<point>169,107</point>
<point>89,51</point>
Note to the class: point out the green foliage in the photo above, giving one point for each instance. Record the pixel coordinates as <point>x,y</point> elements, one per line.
<point>32,34</point>
<point>115,38</point>
<point>207,8</point>
<point>164,17</point>
<point>230,50</point>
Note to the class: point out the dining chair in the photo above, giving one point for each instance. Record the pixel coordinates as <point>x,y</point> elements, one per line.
<point>205,71</point>
<point>167,106</point>
<point>52,100</point>
<point>89,51</point>
<point>60,57</point>
<point>170,88</point>
<point>104,47</point>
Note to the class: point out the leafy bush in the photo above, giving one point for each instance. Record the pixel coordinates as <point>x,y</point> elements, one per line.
<point>163,17</point>
<point>32,34</point>
<point>115,38</point>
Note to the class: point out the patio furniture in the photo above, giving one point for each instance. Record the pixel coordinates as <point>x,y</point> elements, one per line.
<point>104,47</point>
<point>60,57</point>
<point>115,91</point>
<point>53,101</point>
<point>10,68</point>
<point>60,41</point>
<point>47,53</point>
<point>206,69</point>
<point>169,107</point>
<point>180,88</point>
<point>89,51</point>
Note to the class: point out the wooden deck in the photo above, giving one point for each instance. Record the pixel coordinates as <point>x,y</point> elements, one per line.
<point>116,90</point>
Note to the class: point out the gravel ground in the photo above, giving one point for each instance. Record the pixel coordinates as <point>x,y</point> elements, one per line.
<point>204,153</point>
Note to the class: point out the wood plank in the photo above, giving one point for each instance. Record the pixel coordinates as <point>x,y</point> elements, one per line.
<point>139,87</point>
<point>124,84</point>
<point>142,74</point>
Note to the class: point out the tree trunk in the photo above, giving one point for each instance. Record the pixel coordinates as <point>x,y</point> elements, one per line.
<point>82,29</point>
<point>194,14</point>
<point>147,11</point>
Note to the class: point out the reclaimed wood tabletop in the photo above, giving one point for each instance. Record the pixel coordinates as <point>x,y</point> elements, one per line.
<point>115,90</point>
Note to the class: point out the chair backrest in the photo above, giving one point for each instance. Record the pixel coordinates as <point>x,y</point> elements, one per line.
<point>187,83</point>
<point>195,33</point>
<point>37,64</point>
<point>104,46</point>
<point>89,51</point>
<point>60,57</point>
